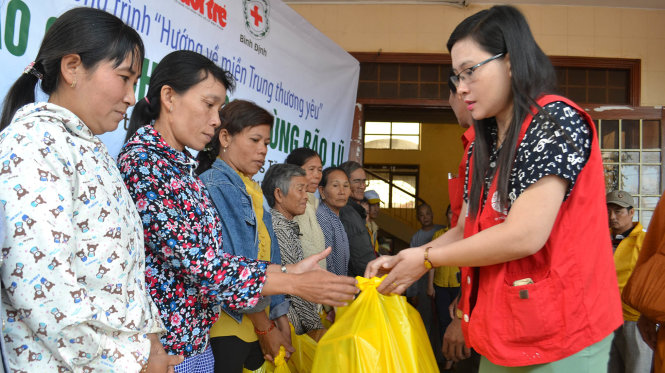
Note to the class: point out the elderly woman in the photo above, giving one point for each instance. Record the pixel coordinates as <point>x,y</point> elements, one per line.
<point>334,190</point>
<point>285,189</point>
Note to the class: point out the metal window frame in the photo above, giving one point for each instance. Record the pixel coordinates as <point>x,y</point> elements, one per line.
<point>376,168</point>
<point>621,150</point>
<point>390,137</point>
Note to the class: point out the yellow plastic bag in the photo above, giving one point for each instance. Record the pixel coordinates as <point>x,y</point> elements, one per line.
<point>280,365</point>
<point>376,333</point>
<point>267,367</point>
<point>324,319</point>
<point>280,362</point>
<point>301,360</point>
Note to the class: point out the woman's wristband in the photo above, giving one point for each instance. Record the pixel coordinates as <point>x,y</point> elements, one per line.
<point>264,332</point>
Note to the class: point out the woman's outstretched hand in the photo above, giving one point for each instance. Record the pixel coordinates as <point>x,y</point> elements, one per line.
<point>323,287</point>
<point>307,280</point>
<point>311,263</point>
<point>403,269</point>
<point>319,286</point>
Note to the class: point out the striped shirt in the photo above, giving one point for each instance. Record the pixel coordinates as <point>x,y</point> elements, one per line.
<point>335,235</point>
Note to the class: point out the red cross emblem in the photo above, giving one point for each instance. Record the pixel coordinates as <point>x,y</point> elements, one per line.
<point>257,17</point>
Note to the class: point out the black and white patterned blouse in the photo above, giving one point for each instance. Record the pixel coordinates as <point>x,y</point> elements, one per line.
<point>302,314</point>
<point>561,147</point>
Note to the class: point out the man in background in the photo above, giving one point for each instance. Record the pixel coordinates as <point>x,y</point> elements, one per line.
<point>629,352</point>
<point>418,292</point>
<point>353,218</point>
<point>374,202</point>
<point>444,284</point>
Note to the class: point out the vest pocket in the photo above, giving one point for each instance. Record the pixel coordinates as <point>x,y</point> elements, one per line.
<point>536,313</point>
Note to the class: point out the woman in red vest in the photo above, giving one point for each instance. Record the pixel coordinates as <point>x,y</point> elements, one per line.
<point>538,281</point>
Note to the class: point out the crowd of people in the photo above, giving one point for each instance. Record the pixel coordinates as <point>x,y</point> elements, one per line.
<point>127,266</point>
<point>160,261</point>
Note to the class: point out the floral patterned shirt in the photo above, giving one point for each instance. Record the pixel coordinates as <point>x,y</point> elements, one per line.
<point>188,274</point>
<point>73,293</point>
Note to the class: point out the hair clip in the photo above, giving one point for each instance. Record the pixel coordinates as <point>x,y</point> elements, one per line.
<point>30,69</point>
<point>30,66</point>
<point>146,100</point>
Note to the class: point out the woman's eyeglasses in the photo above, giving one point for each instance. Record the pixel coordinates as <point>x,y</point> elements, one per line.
<point>466,74</point>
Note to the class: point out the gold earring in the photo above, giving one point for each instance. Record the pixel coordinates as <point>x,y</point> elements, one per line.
<point>74,82</point>
<point>170,108</point>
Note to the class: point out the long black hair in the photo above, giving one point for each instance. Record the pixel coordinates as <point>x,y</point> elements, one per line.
<point>503,29</point>
<point>93,34</point>
<point>235,117</point>
<point>180,70</point>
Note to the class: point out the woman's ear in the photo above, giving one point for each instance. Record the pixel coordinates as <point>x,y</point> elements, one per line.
<point>321,192</point>
<point>224,138</point>
<point>279,196</point>
<point>507,58</point>
<point>69,67</point>
<point>166,97</point>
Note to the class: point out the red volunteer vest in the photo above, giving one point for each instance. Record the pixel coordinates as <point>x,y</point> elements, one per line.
<point>573,301</point>
<point>456,184</point>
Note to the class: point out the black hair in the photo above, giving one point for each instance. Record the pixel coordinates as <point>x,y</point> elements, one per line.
<point>279,176</point>
<point>349,166</point>
<point>93,34</point>
<point>235,117</point>
<point>300,156</point>
<point>422,205</point>
<point>180,70</point>
<point>327,172</point>
<point>503,29</point>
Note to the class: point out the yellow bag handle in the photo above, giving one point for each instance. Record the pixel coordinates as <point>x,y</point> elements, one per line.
<point>280,359</point>
<point>369,283</point>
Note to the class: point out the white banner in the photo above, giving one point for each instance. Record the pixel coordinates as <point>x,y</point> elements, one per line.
<point>278,59</point>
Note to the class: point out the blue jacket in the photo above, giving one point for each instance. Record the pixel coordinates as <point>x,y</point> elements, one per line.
<point>239,226</point>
